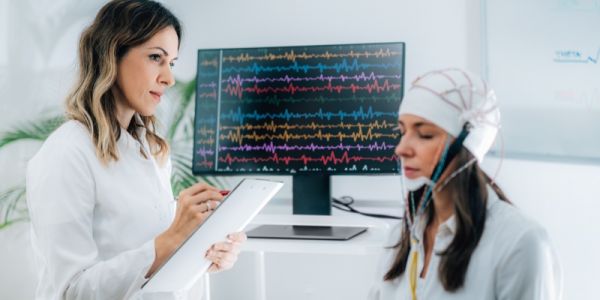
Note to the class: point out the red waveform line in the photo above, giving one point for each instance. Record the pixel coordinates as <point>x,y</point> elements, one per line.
<point>292,89</point>
<point>278,100</point>
<point>305,159</point>
<point>312,147</point>
<point>206,163</point>
<point>292,56</point>
<point>273,126</point>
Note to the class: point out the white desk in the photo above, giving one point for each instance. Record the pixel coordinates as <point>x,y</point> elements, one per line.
<point>368,243</point>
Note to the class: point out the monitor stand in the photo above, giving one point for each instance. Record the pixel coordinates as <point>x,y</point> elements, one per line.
<point>311,196</point>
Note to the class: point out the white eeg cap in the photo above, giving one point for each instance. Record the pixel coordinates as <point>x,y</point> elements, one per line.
<point>452,97</point>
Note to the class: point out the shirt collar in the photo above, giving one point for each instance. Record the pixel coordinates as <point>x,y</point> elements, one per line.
<point>450,224</point>
<point>128,141</point>
<point>420,226</point>
<point>492,199</point>
<point>140,127</point>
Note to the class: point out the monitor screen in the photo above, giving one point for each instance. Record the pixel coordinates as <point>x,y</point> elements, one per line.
<point>298,110</point>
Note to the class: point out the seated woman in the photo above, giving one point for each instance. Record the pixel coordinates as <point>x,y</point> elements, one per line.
<point>460,237</point>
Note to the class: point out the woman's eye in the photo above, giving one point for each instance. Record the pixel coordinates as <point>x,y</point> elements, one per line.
<point>172,64</point>
<point>426,136</point>
<point>155,57</point>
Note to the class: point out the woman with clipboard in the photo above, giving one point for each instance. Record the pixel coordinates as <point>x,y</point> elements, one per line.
<point>99,193</point>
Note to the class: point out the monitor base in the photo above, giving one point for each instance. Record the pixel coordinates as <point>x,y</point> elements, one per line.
<point>305,232</point>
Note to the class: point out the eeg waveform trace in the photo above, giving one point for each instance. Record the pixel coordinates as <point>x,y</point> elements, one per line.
<point>293,110</point>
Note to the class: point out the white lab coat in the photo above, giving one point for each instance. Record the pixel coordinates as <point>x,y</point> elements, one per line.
<point>514,260</point>
<point>93,226</point>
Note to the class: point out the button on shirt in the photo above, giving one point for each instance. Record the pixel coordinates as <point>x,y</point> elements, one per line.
<point>513,260</point>
<point>93,225</point>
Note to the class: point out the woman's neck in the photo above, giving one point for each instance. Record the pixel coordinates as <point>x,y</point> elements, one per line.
<point>124,113</point>
<point>443,207</point>
<point>442,200</point>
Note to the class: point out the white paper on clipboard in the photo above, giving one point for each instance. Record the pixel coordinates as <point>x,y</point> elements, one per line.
<point>187,264</point>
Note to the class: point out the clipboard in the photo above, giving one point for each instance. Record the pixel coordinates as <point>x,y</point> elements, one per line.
<point>187,263</point>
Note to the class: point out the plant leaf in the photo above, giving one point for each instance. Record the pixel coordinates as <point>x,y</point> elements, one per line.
<point>37,130</point>
<point>10,201</point>
<point>186,91</point>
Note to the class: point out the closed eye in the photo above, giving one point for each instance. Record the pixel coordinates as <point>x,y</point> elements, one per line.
<point>425,136</point>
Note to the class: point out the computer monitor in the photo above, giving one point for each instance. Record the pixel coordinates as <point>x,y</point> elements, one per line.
<point>305,111</point>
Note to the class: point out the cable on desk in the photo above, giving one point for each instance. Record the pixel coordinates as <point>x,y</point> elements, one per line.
<point>345,203</point>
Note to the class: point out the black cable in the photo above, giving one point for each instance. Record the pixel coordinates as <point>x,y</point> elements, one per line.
<point>347,206</point>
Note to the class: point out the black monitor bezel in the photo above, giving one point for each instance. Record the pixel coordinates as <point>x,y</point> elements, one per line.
<point>323,172</point>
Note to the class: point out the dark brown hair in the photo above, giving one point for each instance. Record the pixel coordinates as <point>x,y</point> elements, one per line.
<point>469,192</point>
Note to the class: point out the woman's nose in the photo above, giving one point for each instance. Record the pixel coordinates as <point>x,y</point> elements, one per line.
<point>166,77</point>
<point>403,148</point>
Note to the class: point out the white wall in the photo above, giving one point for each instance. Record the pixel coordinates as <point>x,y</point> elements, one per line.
<point>444,36</point>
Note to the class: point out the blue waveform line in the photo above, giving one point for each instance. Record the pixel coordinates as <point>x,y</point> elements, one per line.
<point>208,120</point>
<point>354,66</point>
<point>211,84</point>
<point>205,74</point>
<point>238,116</point>
<point>569,56</point>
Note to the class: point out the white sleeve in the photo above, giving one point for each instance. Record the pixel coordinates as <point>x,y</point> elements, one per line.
<point>530,270</point>
<point>61,200</point>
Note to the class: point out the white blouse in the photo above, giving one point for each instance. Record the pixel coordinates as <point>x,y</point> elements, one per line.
<point>93,226</point>
<point>513,260</point>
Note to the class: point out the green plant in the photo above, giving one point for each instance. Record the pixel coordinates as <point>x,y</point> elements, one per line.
<point>179,127</point>
<point>180,134</point>
<point>12,200</point>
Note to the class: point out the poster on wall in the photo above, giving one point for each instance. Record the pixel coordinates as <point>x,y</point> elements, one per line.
<point>543,61</point>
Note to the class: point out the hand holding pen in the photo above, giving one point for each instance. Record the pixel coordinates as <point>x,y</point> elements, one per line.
<point>194,205</point>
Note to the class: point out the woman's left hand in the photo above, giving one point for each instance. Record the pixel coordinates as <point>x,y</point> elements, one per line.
<point>223,255</point>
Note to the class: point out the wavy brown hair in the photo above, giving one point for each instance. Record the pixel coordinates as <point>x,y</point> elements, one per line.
<point>118,26</point>
<point>469,193</point>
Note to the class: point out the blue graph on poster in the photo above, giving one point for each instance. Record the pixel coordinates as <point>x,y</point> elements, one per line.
<point>576,56</point>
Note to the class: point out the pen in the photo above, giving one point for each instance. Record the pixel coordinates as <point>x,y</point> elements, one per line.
<point>222,192</point>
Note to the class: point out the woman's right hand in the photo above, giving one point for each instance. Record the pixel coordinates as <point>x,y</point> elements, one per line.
<point>194,205</point>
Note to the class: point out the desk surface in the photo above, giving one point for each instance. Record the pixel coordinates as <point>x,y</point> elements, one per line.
<point>370,242</point>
